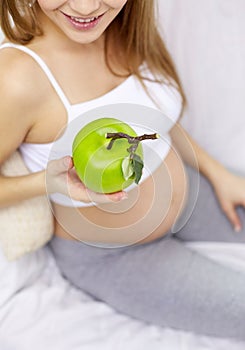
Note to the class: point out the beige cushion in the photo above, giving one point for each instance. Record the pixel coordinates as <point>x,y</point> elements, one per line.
<point>28,225</point>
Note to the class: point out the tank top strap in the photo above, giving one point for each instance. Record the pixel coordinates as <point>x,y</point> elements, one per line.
<point>45,69</point>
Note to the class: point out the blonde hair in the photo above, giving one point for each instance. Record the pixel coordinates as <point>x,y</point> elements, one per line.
<point>24,17</point>
<point>135,28</point>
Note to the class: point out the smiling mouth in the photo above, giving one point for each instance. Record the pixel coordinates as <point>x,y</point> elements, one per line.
<point>83,20</point>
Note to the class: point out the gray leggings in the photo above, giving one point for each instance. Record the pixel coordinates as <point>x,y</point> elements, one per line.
<point>164,282</point>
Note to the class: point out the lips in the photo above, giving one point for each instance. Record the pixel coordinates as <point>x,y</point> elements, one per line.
<point>82,23</point>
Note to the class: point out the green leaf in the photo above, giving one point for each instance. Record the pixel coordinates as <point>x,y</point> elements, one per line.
<point>127,168</point>
<point>137,167</point>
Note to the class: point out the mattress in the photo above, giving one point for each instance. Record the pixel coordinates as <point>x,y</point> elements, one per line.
<point>40,309</point>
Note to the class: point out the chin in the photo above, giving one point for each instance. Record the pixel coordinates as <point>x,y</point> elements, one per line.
<point>85,38</point>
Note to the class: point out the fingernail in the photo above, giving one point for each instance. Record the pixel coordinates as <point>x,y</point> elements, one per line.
<point>124,196</point>
<point>238,228</point>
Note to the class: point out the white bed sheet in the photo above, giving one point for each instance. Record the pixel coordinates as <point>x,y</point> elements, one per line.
<point>39,309</point>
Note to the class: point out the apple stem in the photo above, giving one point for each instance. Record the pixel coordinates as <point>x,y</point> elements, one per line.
<point>135,163</point>
<point>134,140</point>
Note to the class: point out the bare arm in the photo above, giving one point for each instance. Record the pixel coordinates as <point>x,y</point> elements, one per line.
<point>194,155</point>
<point>15,122</point>
<point>20,103</point>
<point>229,188</point>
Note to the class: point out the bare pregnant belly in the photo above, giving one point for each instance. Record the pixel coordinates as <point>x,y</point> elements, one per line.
<point>147,214</point>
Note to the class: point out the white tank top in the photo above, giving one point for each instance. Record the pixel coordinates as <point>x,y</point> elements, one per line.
<point>165,99</point>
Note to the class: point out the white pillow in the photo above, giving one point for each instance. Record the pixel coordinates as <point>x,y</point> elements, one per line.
<point>28,225</point>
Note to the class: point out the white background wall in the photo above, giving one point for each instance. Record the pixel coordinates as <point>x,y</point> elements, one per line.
<point>207,41</point>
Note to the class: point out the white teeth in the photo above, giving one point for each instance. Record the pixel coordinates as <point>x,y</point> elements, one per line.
<point>87,20</point>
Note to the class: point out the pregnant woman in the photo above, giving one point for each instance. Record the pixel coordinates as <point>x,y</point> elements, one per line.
<point>65,57</point>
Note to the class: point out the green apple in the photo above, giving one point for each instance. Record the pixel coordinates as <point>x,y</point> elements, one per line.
<point>107,164</point>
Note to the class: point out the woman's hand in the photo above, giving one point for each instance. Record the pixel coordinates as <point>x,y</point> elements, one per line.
<point>230,190</point>
<point>61,177</point>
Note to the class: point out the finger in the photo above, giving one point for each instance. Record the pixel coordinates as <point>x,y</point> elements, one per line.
<point>61,165</point>
<point>117,197</point>
<point>105,198</point>
<point>233,217</point>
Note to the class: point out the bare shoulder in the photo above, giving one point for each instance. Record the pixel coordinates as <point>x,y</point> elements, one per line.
<point>20,78</point>
<point>20,91</point>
